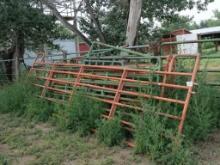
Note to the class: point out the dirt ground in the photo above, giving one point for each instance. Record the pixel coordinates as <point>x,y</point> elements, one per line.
<point>209,150</point>
<point>26,143</point>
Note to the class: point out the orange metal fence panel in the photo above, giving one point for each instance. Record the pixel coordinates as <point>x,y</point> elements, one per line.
<point>116,86</point>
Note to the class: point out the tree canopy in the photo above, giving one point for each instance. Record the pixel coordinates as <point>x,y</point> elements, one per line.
<point>211,22</point>
<point>179,22</point>
<point>106,20</point>
<point>23,18</point>
<point>23,24</point>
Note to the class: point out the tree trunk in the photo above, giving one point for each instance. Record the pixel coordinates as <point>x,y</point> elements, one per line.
<point>8,56</point>
<point>17,55</point>
<point>133,21</point>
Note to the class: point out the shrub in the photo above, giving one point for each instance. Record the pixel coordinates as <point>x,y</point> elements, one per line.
<point>38,109</point>
<point>82,115</point>
<point>60,116</point>
<point>148,134</point>
<point>160,143</point>
<point>208,45</point>
<point>203,114</point>
<point>110,132</point>
<point>176,152</point>
<point>13,97</point>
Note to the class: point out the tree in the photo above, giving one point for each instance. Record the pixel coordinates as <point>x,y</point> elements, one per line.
<point>108,20</point>
<point>211,22</point>
<point>23,24</point>
<point>176,22</point>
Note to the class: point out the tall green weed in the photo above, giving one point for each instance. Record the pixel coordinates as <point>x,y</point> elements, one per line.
<point>203,114</point>
<point>161,144</point>
<point>110,132</point>
<point>13,97</point>
<point>38,109</point>
<point>82,115</point>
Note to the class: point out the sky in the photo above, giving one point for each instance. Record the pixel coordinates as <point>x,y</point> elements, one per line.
<point>203,15</point>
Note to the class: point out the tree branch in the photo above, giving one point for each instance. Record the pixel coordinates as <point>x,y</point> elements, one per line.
<point>96,22</point>
<point>73,28</point>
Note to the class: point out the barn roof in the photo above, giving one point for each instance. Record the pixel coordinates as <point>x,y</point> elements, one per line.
<point>206,31</point>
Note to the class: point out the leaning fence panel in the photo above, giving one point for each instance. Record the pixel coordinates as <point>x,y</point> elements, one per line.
<point>123,89</point>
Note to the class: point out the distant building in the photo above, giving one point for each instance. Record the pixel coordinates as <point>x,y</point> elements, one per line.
<point>186,35</point>
<point>211,32</point>
<point>83,48</point>
<point>171,37</point>
<point>191,48</point>
<point>67,49</point>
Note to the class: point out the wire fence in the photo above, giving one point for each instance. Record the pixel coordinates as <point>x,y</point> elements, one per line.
<point>8,66</point>
<point>103,54</point>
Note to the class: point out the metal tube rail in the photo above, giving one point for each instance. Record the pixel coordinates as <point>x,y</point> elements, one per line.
<point>192,41</point>
<point>122,49</point>
<point>188,97</point>
<point>127,80</point>
<point>122,92</point>
<point>120,69</point>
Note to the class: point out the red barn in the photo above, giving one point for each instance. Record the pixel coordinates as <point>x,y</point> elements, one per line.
<point>171,37</point>
<point>83,48</point>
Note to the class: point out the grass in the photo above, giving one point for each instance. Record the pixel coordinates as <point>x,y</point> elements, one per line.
<point>33,144</point>
<point>43,144</point>
<point>15,96</point>
<point>3,160</point>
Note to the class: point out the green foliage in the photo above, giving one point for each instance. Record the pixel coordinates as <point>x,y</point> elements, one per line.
<point>160,143</point>
<point>148,134</point>
<point>110,132</point>
<point>13,97</point>
<point>63,33</point>
<point>60,116</point>
<point>112,18</point>
<point>3,160</point>
<point>26,19</point>
<point>203,115</point>
<point>177,153</point>
<point>174,23</point>
<point>82,115</point>
<point>153,137</point>
<point>211,22</point>
<point>208,45</point>
<point>38,109</point>
<point>21,98</point>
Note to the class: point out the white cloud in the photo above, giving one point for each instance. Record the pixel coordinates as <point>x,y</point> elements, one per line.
<point>203,15</point>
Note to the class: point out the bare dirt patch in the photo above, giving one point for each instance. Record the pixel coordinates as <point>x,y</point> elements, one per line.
<point>23,160</point>
<point>4,148</point>
<point>209,150</point>
<point>44,127</point>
